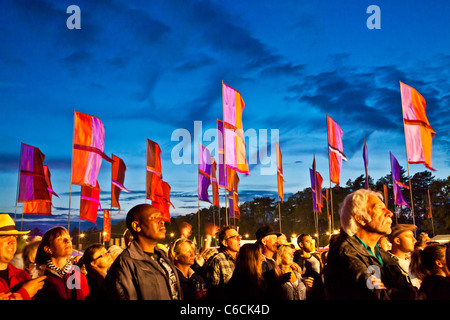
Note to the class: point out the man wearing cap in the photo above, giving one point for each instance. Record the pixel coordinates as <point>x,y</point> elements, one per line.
<point>15,284</point>
<point>268,240</point>
<point>403,241</point>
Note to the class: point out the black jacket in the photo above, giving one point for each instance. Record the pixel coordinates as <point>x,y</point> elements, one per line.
<point>134,275</point>
<point>348,270</point>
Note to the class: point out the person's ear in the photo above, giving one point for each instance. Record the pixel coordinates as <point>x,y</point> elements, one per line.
<point>360,220</point>
<point>47,250</point>
<point>397,241</point>
<point>135,226</point>
<point>439,263</point>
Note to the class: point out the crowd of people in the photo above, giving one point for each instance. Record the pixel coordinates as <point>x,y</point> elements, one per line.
<point>369,259</point>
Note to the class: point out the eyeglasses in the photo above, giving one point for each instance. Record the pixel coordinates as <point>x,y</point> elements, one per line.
<point>236,236</point>
<point>102,255</point>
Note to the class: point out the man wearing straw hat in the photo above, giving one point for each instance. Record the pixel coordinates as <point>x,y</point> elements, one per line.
<point>15,284</point>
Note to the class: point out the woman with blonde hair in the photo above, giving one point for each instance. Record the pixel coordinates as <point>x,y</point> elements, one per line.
<point>295,288</point>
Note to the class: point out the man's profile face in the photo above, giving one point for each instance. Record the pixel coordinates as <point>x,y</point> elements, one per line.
<point>381,217</point>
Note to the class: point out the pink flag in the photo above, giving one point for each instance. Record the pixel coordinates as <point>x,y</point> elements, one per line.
<point>418,131</point>
<point>204,173</point>
<point>335,149</point>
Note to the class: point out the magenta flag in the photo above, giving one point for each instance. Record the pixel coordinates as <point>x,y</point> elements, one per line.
<point>396,184</point>
<point>221,155</point>
<point>335,149</point>
<point>32,184</point>
<point>204,173</point>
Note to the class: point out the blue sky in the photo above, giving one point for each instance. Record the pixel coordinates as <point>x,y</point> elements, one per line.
<point>149,69</point>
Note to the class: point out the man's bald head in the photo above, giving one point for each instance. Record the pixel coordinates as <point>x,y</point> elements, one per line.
<point>136,213</point>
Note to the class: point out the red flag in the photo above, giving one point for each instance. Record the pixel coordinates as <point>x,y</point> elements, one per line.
<point>233,195</point>
<point>40,207</point>
<point>32,183</point>
<point>118,177</point>
<point>162,199</point>
<point>335,149</point>
<point>106,226</point>
<point>418,131</point>
<point>89,203</point>
<point>88,146</point>
<point>280,173</point>
<point>154,174</point>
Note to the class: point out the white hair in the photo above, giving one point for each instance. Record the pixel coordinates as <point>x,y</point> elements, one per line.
<point>355,205</point>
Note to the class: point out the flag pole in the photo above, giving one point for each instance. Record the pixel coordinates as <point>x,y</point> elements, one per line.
<point>71,173</point>
<point>407,162</point>
<point>18,185</point>
<point>430,215</point>
<point>279,213</point>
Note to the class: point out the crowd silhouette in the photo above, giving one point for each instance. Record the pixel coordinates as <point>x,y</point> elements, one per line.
<point>370,259</point>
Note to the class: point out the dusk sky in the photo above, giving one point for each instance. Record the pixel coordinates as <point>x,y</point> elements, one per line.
<point>153,69</point>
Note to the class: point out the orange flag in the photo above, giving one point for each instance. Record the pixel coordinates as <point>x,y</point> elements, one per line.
<point>154,174</point>
<point>280,173</point>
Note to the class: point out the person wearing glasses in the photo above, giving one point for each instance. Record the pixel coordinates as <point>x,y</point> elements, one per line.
<point>97,261</point>
<point>64,281</point>
<point>143,271</point>
<point>15,284</point>
<point>219,268</point>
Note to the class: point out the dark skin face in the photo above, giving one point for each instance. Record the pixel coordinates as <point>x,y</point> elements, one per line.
<point>150,228</point>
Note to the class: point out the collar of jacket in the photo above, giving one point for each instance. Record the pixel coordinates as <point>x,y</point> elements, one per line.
<point>363,251</point>
<point>137,253</point>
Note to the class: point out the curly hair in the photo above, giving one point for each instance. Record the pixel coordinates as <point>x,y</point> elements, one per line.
<point>355,205</point>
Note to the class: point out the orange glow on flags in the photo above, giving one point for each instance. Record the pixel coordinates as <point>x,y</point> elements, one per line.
<point>162,199</point>
<point>106,226</point>
<point>88,146</point>
<point>40,207</point>
<point>418,131</point>
<point>32,183</point>
<point>215,185</point>
<point>233,195</point>
<point>118,177</point>
<point>335,149</point>
<point>280,173</point>
<point>89,203</point>
<point>154,174</point>
<point>234,145</point>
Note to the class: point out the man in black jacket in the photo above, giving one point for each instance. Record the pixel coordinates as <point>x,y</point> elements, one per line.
<point>143,271</point>
<point>357,267</point>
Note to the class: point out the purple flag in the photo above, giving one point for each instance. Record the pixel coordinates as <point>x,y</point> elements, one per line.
<point>396,171</point>
<point>221,154</point>
<point>204,173</point>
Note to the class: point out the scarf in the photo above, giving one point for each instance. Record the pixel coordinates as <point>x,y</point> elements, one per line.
<point>61,272</point>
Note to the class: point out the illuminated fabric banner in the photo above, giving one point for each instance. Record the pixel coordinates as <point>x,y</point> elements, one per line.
<point>90,203</point>
<point>118,177</point>
<point>280,173</point>
<point>396,184</point>
<point>32,183</point>
<point>88,147</point>
<point>233,195</point>
<point>418,131</point>
<point>162,200</point>
<point>204,173</point>
<point>154,174</point>
<point>215,186</point>
<point>233,106</point>
<point>335,149</point>
<point>41,207</point>
<point>106,226</point>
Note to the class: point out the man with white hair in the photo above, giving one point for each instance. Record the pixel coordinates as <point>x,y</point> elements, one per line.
<point>357,267</point>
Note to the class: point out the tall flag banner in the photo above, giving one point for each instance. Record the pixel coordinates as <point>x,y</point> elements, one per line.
<point>430,215</point>
<point>215,186</point>
<point>316,187</point>
<point>418,131</point>
<point>385,189</point>
<point>154,174</point>
<point>90,203</point>
<point>396,184</point>
<point>162,200</point>
<point>88,147</point>
<point>279,173</point>
<point>32,183</point>
<point>366,164</point>
<point>233,195</point>
<point>106,226</point>
<point>221,155</point>
<point>117,179</point>
<point>41,207</point>
<point>233,106</point>
<point>204,173</point>
<point>335,149</point>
